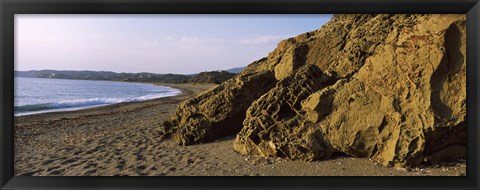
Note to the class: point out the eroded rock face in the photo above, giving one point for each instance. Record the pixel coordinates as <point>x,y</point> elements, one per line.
<point>399,105</point>
<point>388,87</point>
<point>272,126</point>
<point>220,111</point>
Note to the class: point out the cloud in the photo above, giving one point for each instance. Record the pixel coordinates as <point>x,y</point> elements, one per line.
<point>149,44</point>
<point>258,40</point>
<point>199,46</point>
<point>262,39</point>
<point>190,40</point>
<point>94,36</point>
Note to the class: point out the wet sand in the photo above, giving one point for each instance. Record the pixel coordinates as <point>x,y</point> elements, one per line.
<point>122,139</point>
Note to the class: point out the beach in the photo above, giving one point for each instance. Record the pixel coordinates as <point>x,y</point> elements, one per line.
<point>123,140</point>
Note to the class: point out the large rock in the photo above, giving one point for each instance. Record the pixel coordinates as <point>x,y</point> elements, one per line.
<point>274,126</point>
<point>388,87</point>
<point>220,111</point>
<point>406,104</point>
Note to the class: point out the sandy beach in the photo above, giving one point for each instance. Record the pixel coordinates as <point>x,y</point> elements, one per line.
<point>123,140</point>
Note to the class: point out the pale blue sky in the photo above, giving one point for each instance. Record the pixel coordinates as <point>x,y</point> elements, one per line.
<point>152,43</point>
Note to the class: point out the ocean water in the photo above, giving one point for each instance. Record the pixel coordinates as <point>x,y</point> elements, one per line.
<point>39,95</point>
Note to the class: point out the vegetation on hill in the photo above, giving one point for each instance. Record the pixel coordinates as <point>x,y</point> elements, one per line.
<point>204,77</point>
<point>236,70</point>
<point>216,77</point>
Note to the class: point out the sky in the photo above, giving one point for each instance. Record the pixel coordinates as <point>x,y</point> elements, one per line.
<point>183,44</point>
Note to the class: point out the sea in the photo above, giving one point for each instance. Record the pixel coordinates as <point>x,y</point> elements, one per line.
<point>41,95</point>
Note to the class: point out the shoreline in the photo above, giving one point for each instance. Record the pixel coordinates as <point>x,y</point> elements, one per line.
<point>122,139</point>
<point>103,108</point>
<point>78,108</point>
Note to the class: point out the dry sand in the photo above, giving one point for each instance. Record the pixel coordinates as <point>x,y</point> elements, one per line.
<point>122,140</point>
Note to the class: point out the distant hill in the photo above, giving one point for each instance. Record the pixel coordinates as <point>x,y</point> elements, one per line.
<point>216,77</point>
<point>105,75</point>
<point>236,70</point>
<point>204,77</point>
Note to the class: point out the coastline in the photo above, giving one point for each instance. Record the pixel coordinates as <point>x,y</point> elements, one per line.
<point>187,90</point>
<point>121,139</point>
<point>86,107</point>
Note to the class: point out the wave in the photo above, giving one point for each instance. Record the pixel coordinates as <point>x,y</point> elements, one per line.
<point>91,102</point>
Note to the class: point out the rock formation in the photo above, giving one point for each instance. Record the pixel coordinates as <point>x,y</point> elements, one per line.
<point>220,111</point>
<point>388,87</point>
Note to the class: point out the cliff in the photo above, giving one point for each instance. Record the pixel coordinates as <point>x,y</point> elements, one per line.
<point>387,87</point>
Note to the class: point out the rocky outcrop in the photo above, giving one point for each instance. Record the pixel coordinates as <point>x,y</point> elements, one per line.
<point>388,87</point>
<point>272,126</point>
<point>220,111</point>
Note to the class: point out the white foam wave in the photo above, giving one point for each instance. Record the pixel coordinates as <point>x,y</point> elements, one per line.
<point>107,101</point>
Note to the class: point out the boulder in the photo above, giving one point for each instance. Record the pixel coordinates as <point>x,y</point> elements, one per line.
<point>274,124</point>
<point>406,104</point>
<point>220,111</point>
<point>387,87</point>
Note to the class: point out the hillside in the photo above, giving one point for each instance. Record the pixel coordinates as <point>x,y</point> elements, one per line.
<point>105,75</point>
<point>236,70</point>
<point>204,77</point>
<point>215,77</point>
<point>387,87</point>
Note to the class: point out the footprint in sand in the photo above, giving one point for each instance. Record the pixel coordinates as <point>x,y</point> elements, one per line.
<point>90,165</point>
<point>141,167</point>
<point>48,162</point>
<point>57,172</point>
<point>121,165</point>
<point>52,168</point>
<point>77,164</point>
<point>71,160</point>
<point>92,151</point>
<point>90,172</point>
<point>30,173</point>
